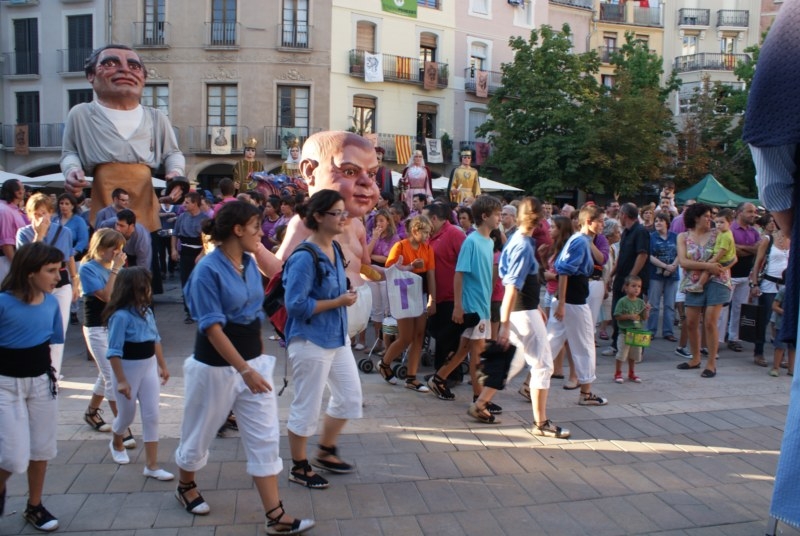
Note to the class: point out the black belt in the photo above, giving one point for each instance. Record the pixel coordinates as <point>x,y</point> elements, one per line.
<point>246,338</point>
<point>138,350</point>
<point>62,272</point>
<point>25,362</point>
<point>776,280</point>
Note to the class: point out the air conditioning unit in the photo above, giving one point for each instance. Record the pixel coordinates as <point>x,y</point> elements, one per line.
<point>517,2</point>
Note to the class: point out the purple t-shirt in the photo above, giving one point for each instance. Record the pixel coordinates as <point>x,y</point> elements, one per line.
<point>744,237</point>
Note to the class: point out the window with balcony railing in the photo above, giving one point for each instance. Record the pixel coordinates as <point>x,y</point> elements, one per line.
<point>733,18</point>
<point>26,46</point>
<point>612,12</point>
<point>433,4</point>
<point>223,26</point>
<point>295,29</point>
<point>583,4</point>
<point>694,17</point>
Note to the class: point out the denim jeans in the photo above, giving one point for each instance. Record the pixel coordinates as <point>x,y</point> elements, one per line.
<point>765,311</point>
<point>661,288</point>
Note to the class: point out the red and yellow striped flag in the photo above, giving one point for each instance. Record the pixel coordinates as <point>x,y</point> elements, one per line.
<point>402,146</point>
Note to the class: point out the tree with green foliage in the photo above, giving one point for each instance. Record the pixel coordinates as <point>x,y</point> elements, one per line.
<point>540,119</point>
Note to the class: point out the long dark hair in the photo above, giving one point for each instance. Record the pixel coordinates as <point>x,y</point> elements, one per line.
<point>220,227</point>
<point>131,289</point>
<point>317,204</point>
<point>28,260</point>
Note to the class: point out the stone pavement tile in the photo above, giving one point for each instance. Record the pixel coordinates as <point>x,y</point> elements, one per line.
<point>406,443</point>
<point>742,529</point>
<point>727,469</point>
<point>369,468</point>
<point>470,464</point>
<point>439,465</point>
<point>671,446</point>
<point>66,450</point>
<point>134,518</point>
<point>478,522</point>
<point>663,515</point>
<point>399,526</point>
<point>225,509</point>
<point>494,438</point>
<point>638,450</point>
<point>628,518</point>
<point>562,458</point>
<point>92,451</point>
<point>403,498</point>
<point>636,481</point>
<point>150,499</point>
<point>683,470</point>
<point>507,490</point>
<point>668,533</point>
<point>605,484</point>
<point>159,532</point>
<point>531,459</point>
<point>172,514</point>
<point>613,451</point>
<point>94,478</point>
<point>500,462</point>
<point>705,507</point>
<point>740,494</point>
<point>444,524</point>
<point>540,488</point>
<point>715,419</point>
<point>776,413</point>
<point>766,461</point>
<point>368,526</point>
<point>593,520</point>
<point>757,418</point>
<point>407,466</point>
<point>127,478</point>
<point>331,503</point>
<point>622,428</point>
<point>516,521</point>
<point>553,521</point>
<point>739,417</point>
<point>228,530</point>
<point>733,442</point>
<point>597,429</point>
<point>464,440</point>
<point>60,477</point>
<point>692,421</point>
<point>97,512</point>
<point>583,453</point>
<point>367,500</point>
<point>233,475</point>
<point>571,485</point>
<point>646,426</point>
<point>671,425</point>
<point>657,473</point>
<point>439,496</point>
<point>767,437</point>
<point>474,493</point>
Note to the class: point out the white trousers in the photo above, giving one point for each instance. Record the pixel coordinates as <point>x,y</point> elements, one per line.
<point>64,297</point>
<point>740,293</point>
<point>529,334</point>
<point>576,328</point>
<point>142,376</point>
<point>97,341</point>
<point>210,393</point>
<point>314,367</point>
<point>595,300</point>
<point>28,422</point>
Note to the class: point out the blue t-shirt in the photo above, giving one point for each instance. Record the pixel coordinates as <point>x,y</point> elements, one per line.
<point>475,264</point>
<point>665,250</point>
<point>63,243</point>
<point>25,325</point>
<point>80,232</point>
<point>217,294</point>
<point>127,325</point>
<point>518,260</point>
<point>94,277</point>
<point>576,256</point>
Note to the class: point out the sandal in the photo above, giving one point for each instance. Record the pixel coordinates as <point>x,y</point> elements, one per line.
<point>736,346</point>
<point>439,388</point>
<point>295,527</point>
<point>760,361</point>
<point>525,391</point>
<point>482,415</point>
<point>687,366</point>
<point>570,385</point>
<point>321,462</point>
<point>299,475</point>
<point>387,373</point>
<point>93,418</point>
<point>198,506</point>
<point>708,373</point>
<point>416,385</point>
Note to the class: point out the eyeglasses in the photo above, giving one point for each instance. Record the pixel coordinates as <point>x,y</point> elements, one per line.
<point>338,213</point>
<point>116,63</point>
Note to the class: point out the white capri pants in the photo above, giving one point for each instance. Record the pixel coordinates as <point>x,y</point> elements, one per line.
<point>380,301</point>
<point>142,376</point>
<point>528,333</point>
<point>578,330</point>
<point>28,422</point>
<point>314,367</point>
<point>595,299</point>
<point>210,393</point>
<point>97,341</point>
<point>64,297</point>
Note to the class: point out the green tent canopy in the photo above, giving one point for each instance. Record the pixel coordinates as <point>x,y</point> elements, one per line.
<point>710,191</point>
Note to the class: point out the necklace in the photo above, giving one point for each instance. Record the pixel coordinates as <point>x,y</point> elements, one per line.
<point>239,267</point>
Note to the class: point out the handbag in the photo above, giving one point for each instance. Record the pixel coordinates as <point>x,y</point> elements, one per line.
<point>405,293</point>
<point>750,322</point>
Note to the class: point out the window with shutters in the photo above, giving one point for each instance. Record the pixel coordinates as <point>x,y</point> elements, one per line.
<point>295,23</point>
<point>153,32</point>
<point>426,122</point>
<point>26,46</point>
<point>365,36</point>
<point>223,23</point>
<point>28,114</point>
<point>79,41</point>
<point>478,57</point>
<point>427,51</point>
<point>481,8</point>
<point>293,107</point>
<point>79,96</point>
<point>477,117</point>
<point>223,109</point>
<point>364,114</point>
<point>157,96</point>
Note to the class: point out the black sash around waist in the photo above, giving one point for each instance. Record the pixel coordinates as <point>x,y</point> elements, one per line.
<point>25,362</point>
<point>246,338</point>
<point>64,274</point>
<point>528,297</point>
<point>194,241</point>
<point>138,350</point>
<point>577,290</point>
<point>93,311</point>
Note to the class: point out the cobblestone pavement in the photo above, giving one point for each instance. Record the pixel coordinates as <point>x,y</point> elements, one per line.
<point>676,454</point>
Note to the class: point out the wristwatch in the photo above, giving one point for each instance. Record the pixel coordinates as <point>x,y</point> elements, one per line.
<point>753,285</point>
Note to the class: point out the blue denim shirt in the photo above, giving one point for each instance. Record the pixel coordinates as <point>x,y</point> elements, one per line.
<point>327,329</point>
<point>665,250</point>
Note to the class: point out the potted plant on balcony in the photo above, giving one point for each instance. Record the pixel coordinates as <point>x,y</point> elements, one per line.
<point>444,73</point>
<point>447,147</point>
<point>357,62</point>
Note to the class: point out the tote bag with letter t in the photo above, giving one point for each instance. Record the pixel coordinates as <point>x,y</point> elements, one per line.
<point>405,293</point>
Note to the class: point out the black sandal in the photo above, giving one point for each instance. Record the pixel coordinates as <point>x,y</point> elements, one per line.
<point>482,414</point>
<point>295,527</point>
<point>93,418</point>
<point>299,475</point>
<point>198,506</point>
<point>387,373</point>
<point>340,467</point>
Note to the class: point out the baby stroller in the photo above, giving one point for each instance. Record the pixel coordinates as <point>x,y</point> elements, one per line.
<point>389,328</point>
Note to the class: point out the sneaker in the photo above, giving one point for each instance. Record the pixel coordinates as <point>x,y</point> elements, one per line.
<point>119,456</point>
<point>774,373</point>
<point>359,347</point>
<point>704,351</point>
<point>158,474</point>
<point>634,378</point>
<point>549,429</point>
<point>40,518</point>
<point>188,319</point>
<point>591,399</point>
<point>609,352</point>
<point>128,441</point>
<point>683,352</point>
<point>618,378</point>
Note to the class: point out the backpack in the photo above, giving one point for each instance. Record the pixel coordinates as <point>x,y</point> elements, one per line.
<point>274,302</point>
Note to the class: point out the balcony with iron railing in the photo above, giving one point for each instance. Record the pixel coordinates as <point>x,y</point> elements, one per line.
<point>270,139</point>
<point>40,135</point>
<point>495,80</point>
<point>200,139</point>
<point>295,36</point>
<point>612,12</point>
<point>277,138</point>
<point>151,34</point>
<point>71,60</point>
<point>19,3</point>
<point>707,61</point>
<point>647,16</point>
<point>222,34</point>
<point>694,17</point>
<point>582,4</point>
<point>22,64</point>
<point>605,53</point>
<point>398,69</point>
<point>729,18</point>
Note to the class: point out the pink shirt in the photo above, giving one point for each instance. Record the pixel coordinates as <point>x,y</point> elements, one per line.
<point>10,220</point>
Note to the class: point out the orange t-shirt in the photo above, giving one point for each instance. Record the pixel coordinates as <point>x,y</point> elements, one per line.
<point>424,252</point>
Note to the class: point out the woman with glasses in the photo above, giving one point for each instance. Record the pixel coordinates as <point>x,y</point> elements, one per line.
<point>317,296</point>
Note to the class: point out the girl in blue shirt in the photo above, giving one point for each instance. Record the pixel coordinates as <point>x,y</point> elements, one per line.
<point>29,322</point>
<point>134,349</point>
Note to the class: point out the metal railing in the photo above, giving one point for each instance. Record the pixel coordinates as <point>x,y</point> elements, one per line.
<point>222,34</point>
<point>21,63</point>
<point>40,135</point>
<point>201,138</point>
<point>612,12</point>
<point>433,4</point>
<point>276,138</point>
<point>71,60</point>
<point>647,16</point>
<point>151,34</point>
<point>733,18</point>
<point>709,61</point>
<point>12,3</point>
<point>605,53</point>
<point>583,4</point>
<point>471,80</point>
<point>398,69</point>
<point>694,17</point>
<point>295,36</point>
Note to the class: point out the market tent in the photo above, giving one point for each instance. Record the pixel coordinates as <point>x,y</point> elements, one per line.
<point>710,191</point>
<point>487,185</point>
<point>56,180</point>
